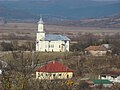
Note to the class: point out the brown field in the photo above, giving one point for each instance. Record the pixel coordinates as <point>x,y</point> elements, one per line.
<point>31,29</point>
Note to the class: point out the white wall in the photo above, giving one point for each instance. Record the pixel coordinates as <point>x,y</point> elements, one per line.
<point>52,46</point>
<point>50,76</point>
<point>40,27</point>
<point>114,80</point>
<point>40,36</point>
<point>98,53</point>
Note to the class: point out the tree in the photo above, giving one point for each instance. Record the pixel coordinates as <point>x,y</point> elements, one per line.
<point>19,70</point>
<point>6,46</point>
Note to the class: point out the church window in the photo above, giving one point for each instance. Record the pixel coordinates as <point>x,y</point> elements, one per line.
<point>37,42</point>
<point>52,46</point>
<point>65,41</point>
<point>59,46</point>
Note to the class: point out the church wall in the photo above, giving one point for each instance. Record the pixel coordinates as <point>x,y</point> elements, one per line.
<point>67,45</point>
<point>53,46</point>
<point>40,27</point>
<point>40,36</point>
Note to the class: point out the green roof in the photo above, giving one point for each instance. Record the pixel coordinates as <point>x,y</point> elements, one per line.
<point>98,81</point>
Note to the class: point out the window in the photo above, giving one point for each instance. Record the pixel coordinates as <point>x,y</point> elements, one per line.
<point>67,76</point>
<point>53,46</point>
<point>45,50</point>
<point>104,76</point>
<point>65,41</point>
<point>59,46</point>
<point>52,50</point>
<point>37,42</point>
<point>59,74</point>
<point>39,75</point>
<point>53,75</point>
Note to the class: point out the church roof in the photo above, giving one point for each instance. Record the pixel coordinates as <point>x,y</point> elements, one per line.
<point>54,66</point>
<point>54,37</point>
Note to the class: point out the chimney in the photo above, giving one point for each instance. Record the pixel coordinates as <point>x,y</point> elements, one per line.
<point>53,62</point>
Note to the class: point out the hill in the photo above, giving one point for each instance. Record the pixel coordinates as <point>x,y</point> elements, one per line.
<point>57,9</point>
<point>104,22</point>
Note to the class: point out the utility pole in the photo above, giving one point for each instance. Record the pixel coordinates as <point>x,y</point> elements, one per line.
<point>78,59</point>
<point>33,59</point>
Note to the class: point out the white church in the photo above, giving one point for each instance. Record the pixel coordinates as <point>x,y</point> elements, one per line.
<point>50,42</point>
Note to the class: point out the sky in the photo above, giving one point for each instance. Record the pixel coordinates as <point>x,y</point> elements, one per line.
<point>105,0</point>
<point>83,0</point>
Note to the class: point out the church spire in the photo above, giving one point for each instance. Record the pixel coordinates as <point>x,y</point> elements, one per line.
<point>41,25</point>
<point>41,20</point>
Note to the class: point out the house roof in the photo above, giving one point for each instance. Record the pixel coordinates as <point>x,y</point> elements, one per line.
<point>100,81</point>
<point>114,72</point>
<point>54,37</point>
<point>96,48</point>
<point>54,66</point>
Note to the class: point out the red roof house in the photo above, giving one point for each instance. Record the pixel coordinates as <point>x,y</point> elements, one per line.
<point>96,50</point>
<point>54,70</point>
<point>112,75</point>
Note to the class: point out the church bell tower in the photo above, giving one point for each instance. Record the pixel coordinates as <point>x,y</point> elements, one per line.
<point>40,34</point>
<point>40,25</point>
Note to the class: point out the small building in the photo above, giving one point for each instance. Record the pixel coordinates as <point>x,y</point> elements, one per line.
<point>96,50</point>
<point>50,42</point>
<point>113,76</point>
<point>99,82</point>
<point>54,70</point>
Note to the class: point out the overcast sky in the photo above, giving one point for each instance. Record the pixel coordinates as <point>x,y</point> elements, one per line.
<point>43,0</point>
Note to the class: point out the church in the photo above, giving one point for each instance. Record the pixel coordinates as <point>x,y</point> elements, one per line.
<point>50,42</point>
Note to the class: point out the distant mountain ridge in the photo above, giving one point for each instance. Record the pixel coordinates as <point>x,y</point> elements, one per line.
<point>57,9</point>
<point>104,22</point>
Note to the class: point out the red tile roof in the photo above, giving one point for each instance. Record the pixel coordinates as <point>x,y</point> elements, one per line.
<point>54,67</point>
<point>96,48</point>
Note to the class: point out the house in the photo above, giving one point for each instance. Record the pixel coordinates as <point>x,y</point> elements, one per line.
<point>113,76</point>
<point>98,82</point>
<point>50,42</point>
<point>96,50</point>
<point>54,70</point>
